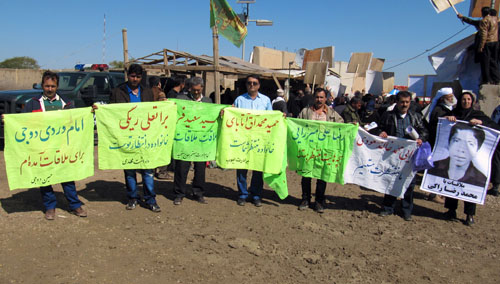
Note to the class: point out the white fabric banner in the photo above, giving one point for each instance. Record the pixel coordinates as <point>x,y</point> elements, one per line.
<point>383,165</point>
<point>462,156</point>
<point>441,5</point>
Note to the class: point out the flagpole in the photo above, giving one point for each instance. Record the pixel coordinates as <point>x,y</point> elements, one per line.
<point>215,37</point>
<point>453,6</point>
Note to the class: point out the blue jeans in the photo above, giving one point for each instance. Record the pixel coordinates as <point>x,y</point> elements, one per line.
<point>69,188</point>
<point>255,187</point>
<point>147,186</point>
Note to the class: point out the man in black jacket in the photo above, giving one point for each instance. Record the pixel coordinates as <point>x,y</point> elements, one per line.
<point>133,92</point>
<point>195,86</point>
<point>395,123</point>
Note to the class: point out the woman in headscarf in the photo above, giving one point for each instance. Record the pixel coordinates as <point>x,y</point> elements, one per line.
<point>465,111</point>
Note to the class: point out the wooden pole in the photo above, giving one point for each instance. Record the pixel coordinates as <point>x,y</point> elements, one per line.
<point>314,83</point>
<point>165,62</point>
<point>125,51</point>
<point>215,37</point>
<point>453,6</point>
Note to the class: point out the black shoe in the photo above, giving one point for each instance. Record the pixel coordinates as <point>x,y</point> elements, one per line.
<point>494,190</point>
<point>450,215</point>
<point>304,204</point>
<point>318,207</point>
<point>154,207</point>
<point>469,220</point>
<point>241,201</point>
<point>132,203</point>
<point>384,213</point>
<point>257,202</point>
<point>178,201</point>
<point>200,199</point>
<point>407,217</point>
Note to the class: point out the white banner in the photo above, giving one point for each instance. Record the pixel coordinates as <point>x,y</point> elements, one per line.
<point>383,165</point>
<point>462,158</point>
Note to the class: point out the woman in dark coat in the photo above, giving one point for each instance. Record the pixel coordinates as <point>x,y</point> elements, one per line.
<point>465,111</point>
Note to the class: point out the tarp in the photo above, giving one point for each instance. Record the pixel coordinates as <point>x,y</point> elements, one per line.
<point>45,148</point>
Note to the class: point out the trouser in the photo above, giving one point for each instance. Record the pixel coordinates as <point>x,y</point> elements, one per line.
<point>452,204</point>
<point>69,188</point>
<point>320,190</point>
<point>489,65</point>
<point>255,187</point>
<point>406,203</point>
<point>180,177</point>
<point>495,166</point>
<point>147,185</point>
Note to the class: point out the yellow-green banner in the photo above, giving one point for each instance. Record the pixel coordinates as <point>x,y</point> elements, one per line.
<point>252,139</point>
<point>135,135</point>
<point>228,23</point>
<point>45,148</point>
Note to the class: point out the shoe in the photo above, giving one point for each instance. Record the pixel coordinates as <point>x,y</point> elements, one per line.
<point>407,217</point>
<point>450,215</point>
<point>257,202</point>
<point>79,212</point>
<point>241,201</point>
<point>384,213</point>
<point>437,198</point>
<point>200,199</point>
<point>494,190</point>
<point>178,201</point>
<point>318,207</point>
<point>154,207</point>
<point>304,204</point>
<point>132,203</point>
<point>50,214</point>
<point>165,176</point>
<point>469,220</point>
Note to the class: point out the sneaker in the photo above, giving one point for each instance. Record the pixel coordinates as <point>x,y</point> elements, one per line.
<point>79,212</point>
<point>384,213</point>
<point>304,204</point>
<point>50,214</point>
<point>241,201</point>
<point>450,215</point>
<point>165,176</point>
<point>319,207</point>
<point>257,202</point>
<point>178,201</point>
<point>200,199</point>
<point>469,220</point>
<point>132,203</point>
<point>154,207</point>
<point>407,217</point>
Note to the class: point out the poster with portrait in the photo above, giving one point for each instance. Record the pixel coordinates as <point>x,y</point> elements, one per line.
<point>461,155</point>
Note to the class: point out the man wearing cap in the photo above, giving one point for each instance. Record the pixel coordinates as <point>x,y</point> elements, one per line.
<point>279,103</point>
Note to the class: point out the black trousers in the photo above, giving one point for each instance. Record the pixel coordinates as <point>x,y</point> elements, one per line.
<point>180,177</point>
<point>406,204</point>
<point>489,65</point>
<point>495,166</point>
<point>320,189</point>
<point>452,204</point>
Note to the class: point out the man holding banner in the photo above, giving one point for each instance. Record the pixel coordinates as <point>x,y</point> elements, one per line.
<point>321,112</point>
<point>252,99</point>
<point>50,101</point>
<point>132,92</point>
<point>195,86</point>
<point>397,123</point>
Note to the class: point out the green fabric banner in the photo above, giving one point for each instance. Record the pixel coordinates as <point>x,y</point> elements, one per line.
<point>278,182</point>
<point>228,23</point>
<point>251,139</point>
<point>319,149</point>
<point>45,148</point>
<point>196,130</point>
<point>135,135</point>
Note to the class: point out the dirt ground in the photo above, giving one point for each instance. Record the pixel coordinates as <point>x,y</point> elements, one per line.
<point>221,242</point>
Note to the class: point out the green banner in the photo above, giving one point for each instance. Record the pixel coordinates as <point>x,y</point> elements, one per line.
<point>196,130</point>
<point>251,139</point>
<point>319,149</point>
<point>228,23</point>
<point>135,135</point>
<point>278,182</point>
<point>45,148</point>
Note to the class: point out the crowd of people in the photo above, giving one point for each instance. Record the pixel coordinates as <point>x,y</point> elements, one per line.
<point>384,116</point>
